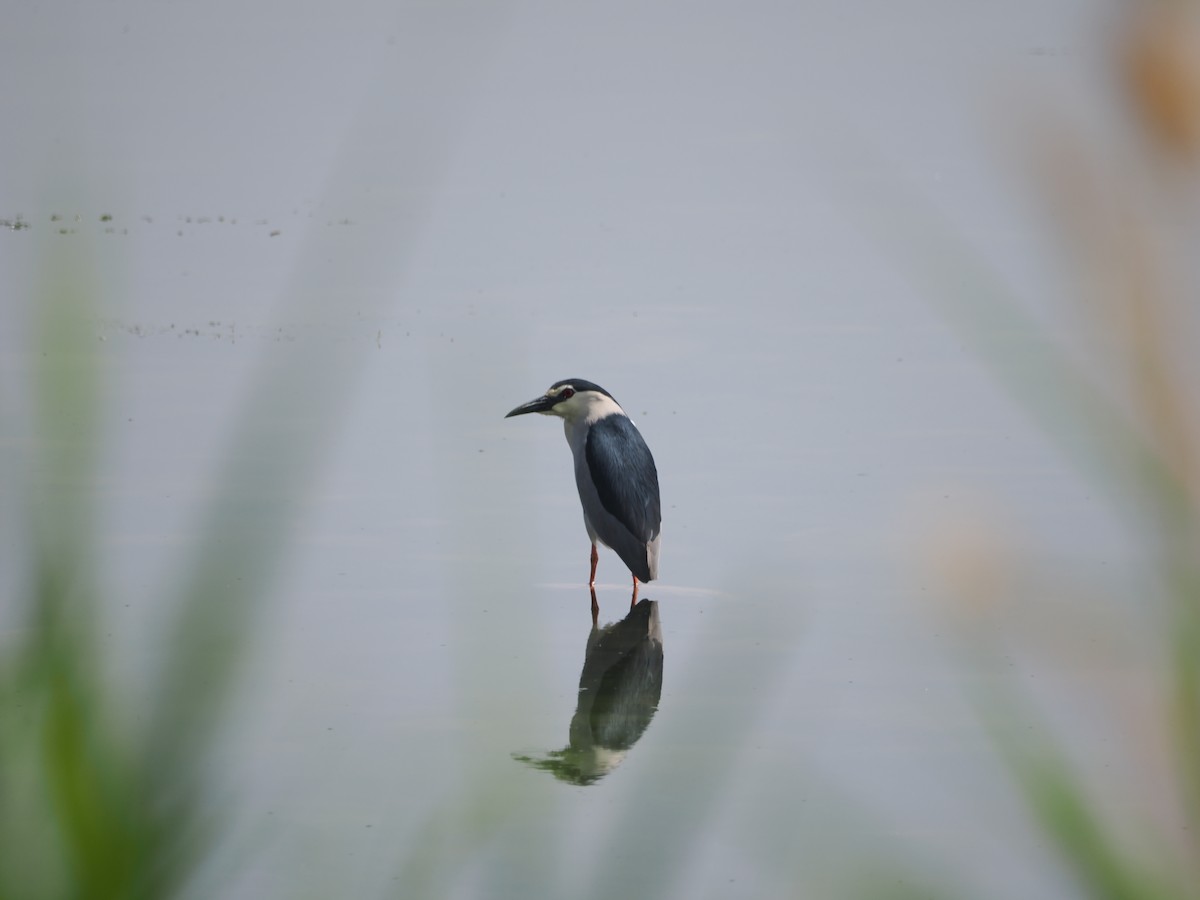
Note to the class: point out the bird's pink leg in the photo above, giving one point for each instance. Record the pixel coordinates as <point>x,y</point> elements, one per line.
<point>633,599</point>
<point>595,559</point>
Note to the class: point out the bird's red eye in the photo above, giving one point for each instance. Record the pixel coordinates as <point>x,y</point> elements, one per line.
<point>567,394</point>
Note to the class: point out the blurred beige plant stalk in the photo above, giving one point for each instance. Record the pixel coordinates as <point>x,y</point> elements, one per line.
<point>1156,285</point>
<point>1160,59</point>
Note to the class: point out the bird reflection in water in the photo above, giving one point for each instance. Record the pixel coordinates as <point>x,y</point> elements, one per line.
<point>619,690</point>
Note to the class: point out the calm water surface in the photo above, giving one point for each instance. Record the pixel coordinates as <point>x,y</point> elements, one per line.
<point>787,703</point>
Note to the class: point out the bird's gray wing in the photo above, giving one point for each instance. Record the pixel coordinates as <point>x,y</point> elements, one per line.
<point>625,476</point>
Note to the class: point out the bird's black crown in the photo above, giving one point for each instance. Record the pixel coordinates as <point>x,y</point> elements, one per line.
<point>581,385</point>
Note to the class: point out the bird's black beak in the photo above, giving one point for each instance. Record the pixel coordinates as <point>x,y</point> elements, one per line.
<point>540,405</point>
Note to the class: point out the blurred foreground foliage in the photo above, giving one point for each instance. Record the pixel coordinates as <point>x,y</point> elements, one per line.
<point>107,791</point>
<point>1120,398</point>
<point>91,803</point>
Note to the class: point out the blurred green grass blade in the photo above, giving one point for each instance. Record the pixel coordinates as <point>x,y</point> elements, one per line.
<point>72,795</point>
<point>291,414</point>
<point>454,835</point>
<point>90,790</point>
<point>1184,688</point>
<point>66,388</point>
<point>976,300</point>
<point>884,886</point>
<point>1059,802</point>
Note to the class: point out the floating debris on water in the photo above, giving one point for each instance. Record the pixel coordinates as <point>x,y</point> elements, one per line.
<point>72,222</point>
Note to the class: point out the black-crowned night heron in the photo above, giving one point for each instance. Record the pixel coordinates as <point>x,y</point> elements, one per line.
<point>614,471</point>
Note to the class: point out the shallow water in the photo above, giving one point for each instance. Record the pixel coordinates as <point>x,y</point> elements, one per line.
<point>368,287</point>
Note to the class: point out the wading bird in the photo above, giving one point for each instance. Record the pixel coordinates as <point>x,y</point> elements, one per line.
<point>614,471</point>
